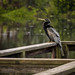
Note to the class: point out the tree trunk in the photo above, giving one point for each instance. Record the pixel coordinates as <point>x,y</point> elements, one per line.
<point>1,2</point>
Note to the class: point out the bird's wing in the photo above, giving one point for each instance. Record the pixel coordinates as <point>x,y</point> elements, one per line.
<point>54,31</point>
<point>53,35</point>
<point>56,35</point>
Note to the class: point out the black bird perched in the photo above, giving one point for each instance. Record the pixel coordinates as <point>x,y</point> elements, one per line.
<point>52,34</point>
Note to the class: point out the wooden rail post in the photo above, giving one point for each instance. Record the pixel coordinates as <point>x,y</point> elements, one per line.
<point>23,54</point>
<point>58,53</point>
<point>53,54</point>
<point>66,50</point>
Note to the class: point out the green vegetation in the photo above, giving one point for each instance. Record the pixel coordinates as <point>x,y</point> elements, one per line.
<point>64,6</point>
<point>21,13</point>
<point>22,10</point>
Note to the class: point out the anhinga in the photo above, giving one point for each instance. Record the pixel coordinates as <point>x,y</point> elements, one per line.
<point>52,34</point>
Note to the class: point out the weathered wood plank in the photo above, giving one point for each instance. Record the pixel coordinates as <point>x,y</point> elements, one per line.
<point>60,70</point>
<point>68,42</point>
<point>31,65</point>
<point>36,49</point>
<point>26,48</point>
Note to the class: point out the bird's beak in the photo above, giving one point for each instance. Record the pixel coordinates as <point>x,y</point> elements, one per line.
<point>41,19</point>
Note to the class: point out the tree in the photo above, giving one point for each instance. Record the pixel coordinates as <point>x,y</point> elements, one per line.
<point>64,6</point>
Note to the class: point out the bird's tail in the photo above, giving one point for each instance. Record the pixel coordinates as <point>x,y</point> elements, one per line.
<point>62,52</point>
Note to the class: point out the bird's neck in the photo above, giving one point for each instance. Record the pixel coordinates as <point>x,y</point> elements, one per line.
<point>47,25</point>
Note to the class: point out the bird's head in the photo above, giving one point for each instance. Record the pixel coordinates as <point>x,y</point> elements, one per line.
<point>46,22</point>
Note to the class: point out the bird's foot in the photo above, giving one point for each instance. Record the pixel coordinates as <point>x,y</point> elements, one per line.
<point>49,41</point>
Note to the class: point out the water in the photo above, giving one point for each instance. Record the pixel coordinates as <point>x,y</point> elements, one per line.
<point>20,35</point>
<point>33,34</point>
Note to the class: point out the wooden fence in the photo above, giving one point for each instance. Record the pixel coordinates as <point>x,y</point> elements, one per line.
<point>31,50</point>
<point>65,69</point>
<point>28,50</point>
<point>30,65</point>
<point>37,66</point>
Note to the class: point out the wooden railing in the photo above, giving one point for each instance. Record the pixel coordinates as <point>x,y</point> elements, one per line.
<point>31,65</point>
<point>36,65</point>
<point>26,51</point>
<point>65,69</point>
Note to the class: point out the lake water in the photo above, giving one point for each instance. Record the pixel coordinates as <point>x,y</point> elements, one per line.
<point>33,34</point>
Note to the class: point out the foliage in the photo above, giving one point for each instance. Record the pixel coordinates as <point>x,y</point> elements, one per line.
<point>65,5</point>
<point>21,15</point>
<point>23,11</point>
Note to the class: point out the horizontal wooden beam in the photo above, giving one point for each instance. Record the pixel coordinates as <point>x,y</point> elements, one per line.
<point>68,42</point>
<point>31,65</point>
<point>35,49</point>
<point>26,48</point>
<point>60,70</point>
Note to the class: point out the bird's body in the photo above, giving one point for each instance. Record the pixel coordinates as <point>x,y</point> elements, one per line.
<point>52,34</point>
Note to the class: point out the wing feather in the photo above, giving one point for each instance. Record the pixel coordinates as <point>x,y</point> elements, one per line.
<point>54,31</point>
<point>53,35</point>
